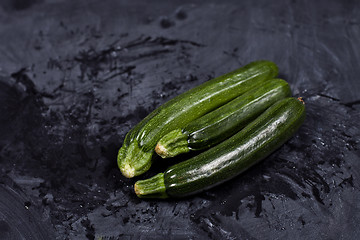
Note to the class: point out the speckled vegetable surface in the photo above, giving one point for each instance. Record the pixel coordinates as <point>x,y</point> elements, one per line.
<point>135,156</point>
<point>231,157</point>
<point>224,121</point>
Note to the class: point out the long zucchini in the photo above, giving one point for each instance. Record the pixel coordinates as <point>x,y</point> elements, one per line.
<point>135,156</point>
<point>231,157</point>
<point>223,122</point>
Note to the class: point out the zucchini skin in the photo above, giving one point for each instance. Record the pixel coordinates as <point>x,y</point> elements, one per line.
<point>231,157</point>
<point>223,122</point>
<point>135,156</point>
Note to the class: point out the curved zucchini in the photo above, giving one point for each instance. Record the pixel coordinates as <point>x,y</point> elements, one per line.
<point>135,156</point>
<point>223,122</point>
<point>229,158</point>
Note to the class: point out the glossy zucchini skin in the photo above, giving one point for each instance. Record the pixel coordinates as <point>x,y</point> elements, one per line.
<point>135,156</point>
<point>223,122</point>
<point>231,157</point>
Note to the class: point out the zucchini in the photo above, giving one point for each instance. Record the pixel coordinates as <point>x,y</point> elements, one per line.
<point>223,122</point>
<point>135,156</point>
<point>229,158</point>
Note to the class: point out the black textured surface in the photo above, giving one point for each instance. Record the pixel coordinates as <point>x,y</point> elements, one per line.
<point>77,75</point>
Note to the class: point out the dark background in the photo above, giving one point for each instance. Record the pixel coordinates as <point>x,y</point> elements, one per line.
<point>75,76</point>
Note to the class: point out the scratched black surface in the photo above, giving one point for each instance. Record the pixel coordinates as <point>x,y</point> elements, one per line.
<point>75,76</point>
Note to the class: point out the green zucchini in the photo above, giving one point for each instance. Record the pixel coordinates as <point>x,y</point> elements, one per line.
<point>223,122</point>
<point>229,158</point>
<point>135,156</point>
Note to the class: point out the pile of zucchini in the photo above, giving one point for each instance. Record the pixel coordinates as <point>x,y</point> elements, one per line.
<point>238,119</point>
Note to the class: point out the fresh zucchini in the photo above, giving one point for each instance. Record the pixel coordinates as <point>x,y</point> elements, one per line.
<point>229,158</point>
<point>135,156</point>
<point>223,122</point>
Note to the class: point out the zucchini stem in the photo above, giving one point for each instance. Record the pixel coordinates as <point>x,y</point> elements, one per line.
<point>172,144</point>
<point>301,100</point>
<point>151,188</point>
<point>133,160</point>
